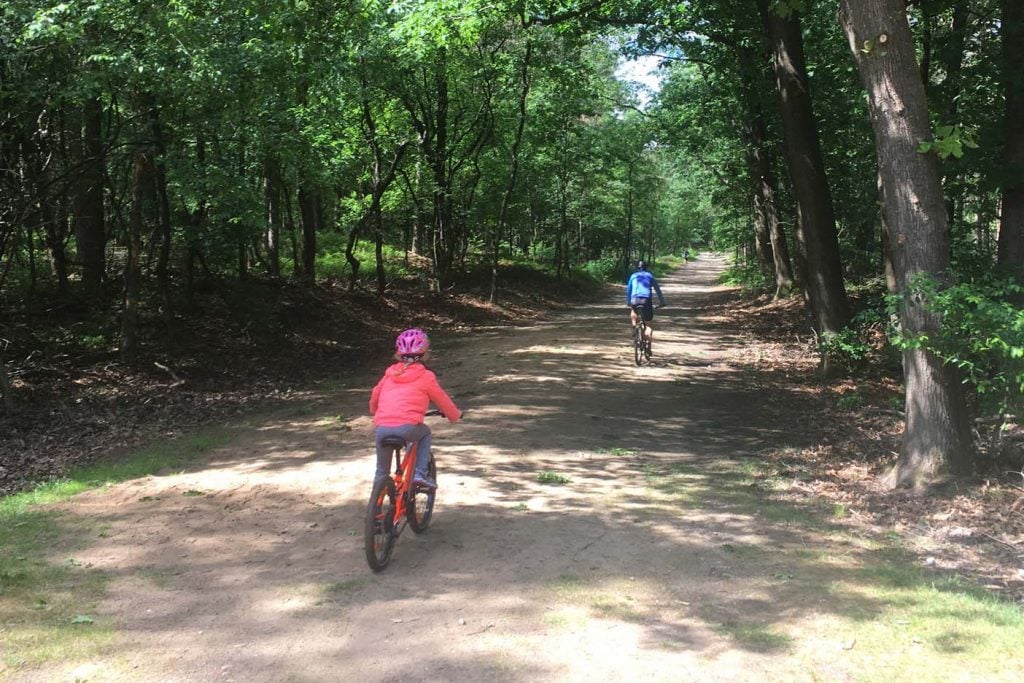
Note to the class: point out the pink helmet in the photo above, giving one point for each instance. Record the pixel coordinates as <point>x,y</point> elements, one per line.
<point>412,342</point>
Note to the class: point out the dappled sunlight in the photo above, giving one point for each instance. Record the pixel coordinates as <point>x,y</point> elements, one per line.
<point>522,378</point>
<point>591,516</point>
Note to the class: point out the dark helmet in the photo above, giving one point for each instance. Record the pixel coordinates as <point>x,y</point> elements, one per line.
<point>641,265</point>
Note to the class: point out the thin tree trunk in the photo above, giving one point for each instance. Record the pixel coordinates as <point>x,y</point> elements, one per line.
<point>90,232</point>
<point>164,209</point>
<point>196,222</point>
<point>506,198</point>
<point>937,437</point>
<point>141,177</point>
<point>1011,227</point>
<point>309,208</point>
<point>272,200</point>
<point>766,207</point>
<point>816,224</point>
<point>350,256</point>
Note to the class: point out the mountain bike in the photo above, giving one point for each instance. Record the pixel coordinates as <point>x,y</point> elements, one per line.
<point>641,342</point>
<point>395,501</point>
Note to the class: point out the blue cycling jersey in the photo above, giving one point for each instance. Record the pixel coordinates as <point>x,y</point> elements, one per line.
<point>640,285</point>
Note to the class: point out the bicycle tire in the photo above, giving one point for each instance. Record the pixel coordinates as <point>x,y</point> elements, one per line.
<point>638,345</point>
<point>421,502</point>
<point>379,534</point>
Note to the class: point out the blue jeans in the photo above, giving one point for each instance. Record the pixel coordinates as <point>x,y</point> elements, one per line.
<point>420,434</point>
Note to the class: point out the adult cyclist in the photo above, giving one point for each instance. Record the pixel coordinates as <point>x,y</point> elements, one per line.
<point>639,289</point>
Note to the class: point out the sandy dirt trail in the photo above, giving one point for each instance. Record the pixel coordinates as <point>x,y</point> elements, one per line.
<point>251,567</point>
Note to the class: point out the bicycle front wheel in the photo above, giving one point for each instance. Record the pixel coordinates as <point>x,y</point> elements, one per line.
<point>421,502</point>
<point>379,534</point>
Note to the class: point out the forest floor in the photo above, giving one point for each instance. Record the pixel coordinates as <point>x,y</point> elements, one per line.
<point>693,518</point>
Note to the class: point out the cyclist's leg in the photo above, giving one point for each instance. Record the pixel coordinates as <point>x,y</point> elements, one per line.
<point>410,433</point>
<point>383,453</point>
<point>421,435</point>
<point>648,313</point>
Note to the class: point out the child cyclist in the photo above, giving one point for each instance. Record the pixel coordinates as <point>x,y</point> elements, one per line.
<point>400,400</point>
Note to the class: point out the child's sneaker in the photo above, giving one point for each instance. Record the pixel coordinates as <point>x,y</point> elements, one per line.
<point>424,483</point>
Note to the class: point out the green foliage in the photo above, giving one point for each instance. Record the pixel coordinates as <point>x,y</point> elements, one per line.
<point>747,275</point>
<point>949,141</point>
<point>605,269</point>
<point>982,334</point>
<point>863,341</point>
<point>547,477</point>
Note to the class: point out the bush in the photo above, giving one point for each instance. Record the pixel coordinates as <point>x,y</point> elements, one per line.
<point>982,334</point>
<point>604,269</point>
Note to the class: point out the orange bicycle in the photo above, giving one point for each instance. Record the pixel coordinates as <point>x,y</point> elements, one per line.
<point>395,501</point>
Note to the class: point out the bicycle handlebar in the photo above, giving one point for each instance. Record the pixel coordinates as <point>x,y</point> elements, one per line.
<point>434,412</point>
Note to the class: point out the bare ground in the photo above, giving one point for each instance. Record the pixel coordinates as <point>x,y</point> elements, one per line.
<point>641,566</point>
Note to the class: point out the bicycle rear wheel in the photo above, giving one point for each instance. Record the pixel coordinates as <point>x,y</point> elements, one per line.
<point>421,502</point>
<point>379,534</point>
<point>638,344</point>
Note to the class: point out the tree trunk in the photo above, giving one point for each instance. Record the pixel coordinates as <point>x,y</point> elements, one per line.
<point>816,223</point>
<point>197,220</point>
<point>272,200</point>
<point>164,209</point>
<point>350,256</point>
<point>506,197</point>
<point>309,209</point>
<point>766,208</point>
<point>937,437</point>
<point>1011,227</point>
<point>90,233</point>
<point>141,177</point>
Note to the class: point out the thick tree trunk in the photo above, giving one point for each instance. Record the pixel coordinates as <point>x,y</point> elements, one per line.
<point>90,232</point>
<point>816,224</point>
<point>937,437</point>
<point>1011,227</point>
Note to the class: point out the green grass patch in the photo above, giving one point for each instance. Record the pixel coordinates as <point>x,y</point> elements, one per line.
<point>548,477</point>
<point>925,628</point>
<point>863,596</point>
<point>48,598</point>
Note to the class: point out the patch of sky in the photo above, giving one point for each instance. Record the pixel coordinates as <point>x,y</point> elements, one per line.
<point>642,74</point>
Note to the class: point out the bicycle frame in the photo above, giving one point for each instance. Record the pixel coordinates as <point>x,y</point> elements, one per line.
<point>395,502</point>
<point>405,465</point>
<point>640,342</point>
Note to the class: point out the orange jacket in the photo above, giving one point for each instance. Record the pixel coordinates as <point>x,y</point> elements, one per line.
<point>404,393</point>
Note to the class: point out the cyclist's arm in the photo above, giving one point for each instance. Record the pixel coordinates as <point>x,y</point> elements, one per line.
<point>629,290</point>
<point>661,299</point>
<point>374,399</point>
<point>444,402</point>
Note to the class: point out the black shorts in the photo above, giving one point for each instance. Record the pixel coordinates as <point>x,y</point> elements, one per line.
<point>644,306</point>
